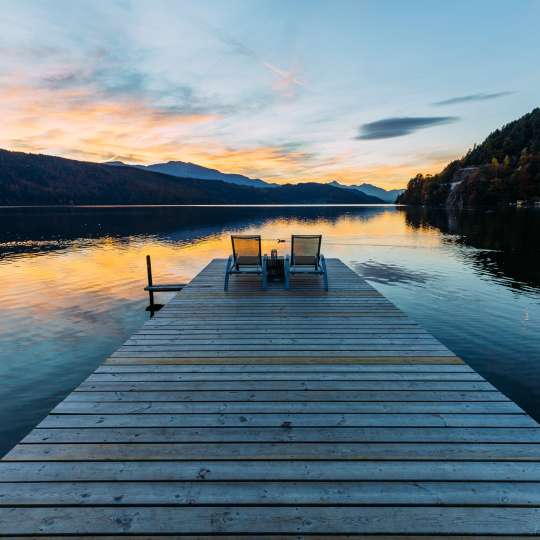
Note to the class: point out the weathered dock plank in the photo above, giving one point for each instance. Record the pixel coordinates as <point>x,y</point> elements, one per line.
<point>272,520</point>
<point>283,435</point>
<point>275,451</point>
<point>280,420</point>
<point>312,493</point>
<point>287,407</point>
<point>270,471</point>
<point>277,414</point>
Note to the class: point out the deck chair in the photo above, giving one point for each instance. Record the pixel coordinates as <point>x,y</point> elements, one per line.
<point>306,258</point>
<point>246,258</point>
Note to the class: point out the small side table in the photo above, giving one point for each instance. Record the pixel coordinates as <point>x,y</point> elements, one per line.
<point>275,268</point>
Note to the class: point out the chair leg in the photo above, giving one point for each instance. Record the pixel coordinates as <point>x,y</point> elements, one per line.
<point>325,273</point>
<point>264,274</point>
<point>227,274</point>
<point>286,270</point>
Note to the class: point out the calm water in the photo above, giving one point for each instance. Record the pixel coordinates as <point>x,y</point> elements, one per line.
<point>72,284</point>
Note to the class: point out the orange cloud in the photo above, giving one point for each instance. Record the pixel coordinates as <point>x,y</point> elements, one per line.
<point>74,123</point>
<point>388,176</point>
<point>275,165</point>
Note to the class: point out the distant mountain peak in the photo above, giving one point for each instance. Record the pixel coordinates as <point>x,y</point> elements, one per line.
<point>388,196</point>
<point>186,169</point>
<point>116,163</point>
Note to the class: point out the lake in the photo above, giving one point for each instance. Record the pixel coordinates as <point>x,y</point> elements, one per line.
<point>72,284</point>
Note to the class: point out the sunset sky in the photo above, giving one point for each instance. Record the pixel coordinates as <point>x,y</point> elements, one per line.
<point>299,90</point>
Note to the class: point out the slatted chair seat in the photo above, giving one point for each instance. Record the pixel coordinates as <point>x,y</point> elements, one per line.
<point>248,261</point>
<point>246,258</point>
<point>306,258</point>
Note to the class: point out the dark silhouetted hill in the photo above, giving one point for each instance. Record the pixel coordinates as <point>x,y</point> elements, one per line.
<point>34,179</point>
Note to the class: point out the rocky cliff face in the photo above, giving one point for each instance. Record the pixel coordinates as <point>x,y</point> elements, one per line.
<point>456,198</point>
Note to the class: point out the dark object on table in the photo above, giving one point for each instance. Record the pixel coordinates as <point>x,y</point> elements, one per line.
<point>275,267</point>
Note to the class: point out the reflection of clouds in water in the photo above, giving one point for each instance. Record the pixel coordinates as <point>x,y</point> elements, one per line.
<point>391,273</point>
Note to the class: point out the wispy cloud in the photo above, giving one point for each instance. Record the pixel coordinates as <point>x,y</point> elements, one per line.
<point>482,96</point>
<point>287,78</point>
<point>388,128</point>
<point>113,81</point>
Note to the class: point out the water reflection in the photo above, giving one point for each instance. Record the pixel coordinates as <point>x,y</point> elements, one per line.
<point>73,281</point>
<point>20,225</point>
<point>391,273</point>
<point>508,241</point>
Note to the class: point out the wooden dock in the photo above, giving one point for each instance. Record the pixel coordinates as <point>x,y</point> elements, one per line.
<point>277,414</point>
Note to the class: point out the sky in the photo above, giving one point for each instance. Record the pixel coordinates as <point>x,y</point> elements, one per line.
<point>287,91</point>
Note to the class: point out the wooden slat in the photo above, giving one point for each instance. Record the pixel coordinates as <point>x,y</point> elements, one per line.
<point>287,407</point>
<point>278,520</point>
<point>286,420</point>
<point>370,377</point>
<point>286,331</point>
<point>339,386</point>
<point>320,368</point>
<point>283,434</point>
<point>371,324</point>
<point>289,395</point>
<point>262,493</point>
<point>271,537</point>
<point>148,358</point>
<point>319,343</point>
<point>170,287</point>
<point>253,450</point>
<point>299,354</point>
<point>298,470</point>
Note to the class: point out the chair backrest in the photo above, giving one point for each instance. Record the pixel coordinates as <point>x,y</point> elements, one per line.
<point>305,249</point>
<point>246,250</point>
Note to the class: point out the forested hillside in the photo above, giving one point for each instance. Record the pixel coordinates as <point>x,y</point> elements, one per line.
<point>503,169</point>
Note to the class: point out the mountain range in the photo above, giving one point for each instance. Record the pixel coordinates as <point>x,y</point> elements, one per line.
<point>184,169</point>
<point>36,179</point>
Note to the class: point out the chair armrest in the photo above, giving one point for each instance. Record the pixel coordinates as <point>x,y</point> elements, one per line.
<point>264,271</point>
<point>324,271</point>
<point>227,273</point>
